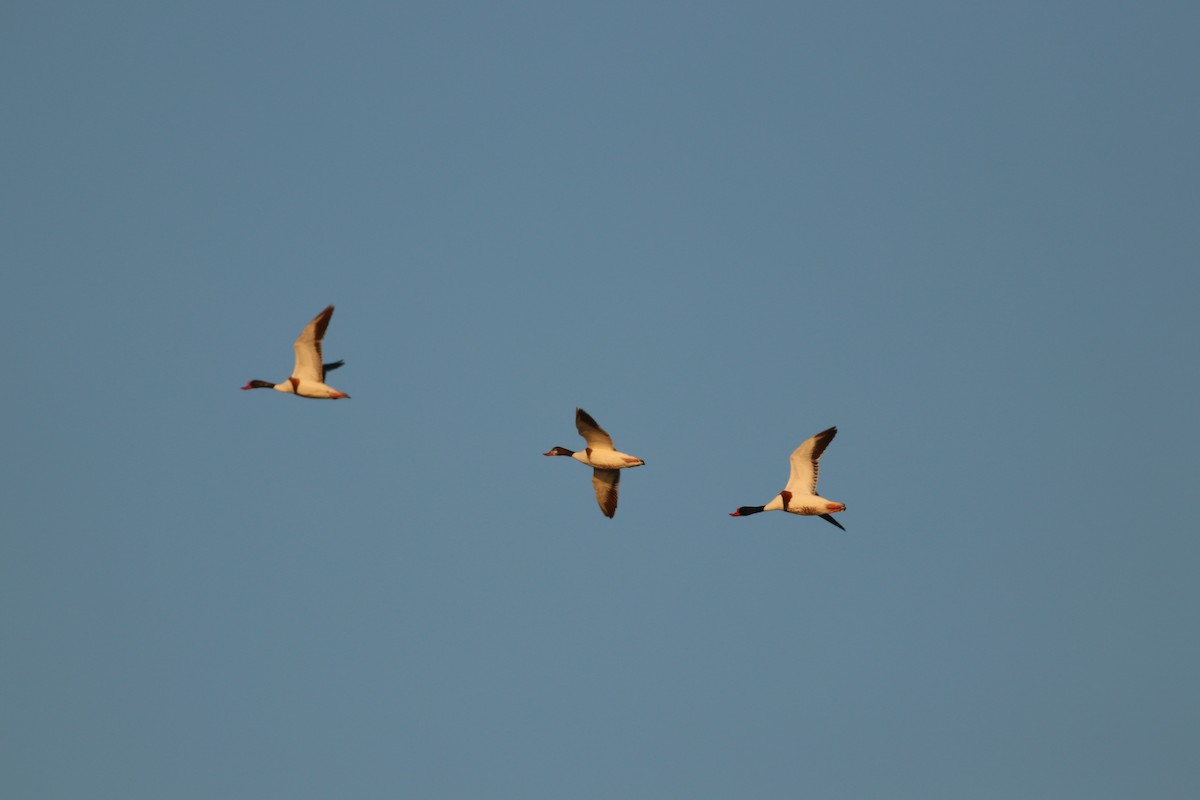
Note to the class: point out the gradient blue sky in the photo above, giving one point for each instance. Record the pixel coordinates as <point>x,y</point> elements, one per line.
<point>965,233</point>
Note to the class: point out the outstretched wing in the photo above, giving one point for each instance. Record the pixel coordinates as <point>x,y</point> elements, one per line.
<point>308,348</point>
<point>325,368</point>
<point>829,518</point>
<point>803,478</point>
<point>605,482</point>
<point>592,433</point>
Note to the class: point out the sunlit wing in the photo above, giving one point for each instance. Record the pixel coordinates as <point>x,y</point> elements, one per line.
<point>804,460</point>
<point>605,482</point>
<point>592,433</point>
<point>308,348</point>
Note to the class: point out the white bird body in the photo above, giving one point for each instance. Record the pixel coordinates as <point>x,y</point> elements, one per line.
<point>800,495</point>
<point>308,373</point>
<point>812,505</point>
<point>316,390</point>
<point>604,459</point>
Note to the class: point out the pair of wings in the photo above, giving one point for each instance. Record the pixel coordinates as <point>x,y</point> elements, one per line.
<point>805,467</point>
<point>606,482</point>
<point>308,349</point>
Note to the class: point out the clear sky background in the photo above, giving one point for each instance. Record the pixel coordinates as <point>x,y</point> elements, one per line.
<point>965,233</point>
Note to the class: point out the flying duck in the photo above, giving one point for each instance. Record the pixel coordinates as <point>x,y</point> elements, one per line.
<point>605,460</point>
<point>800,495</point>
<point>308,376</point>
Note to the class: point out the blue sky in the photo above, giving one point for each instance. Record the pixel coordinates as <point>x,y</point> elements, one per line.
<point>963,233</point>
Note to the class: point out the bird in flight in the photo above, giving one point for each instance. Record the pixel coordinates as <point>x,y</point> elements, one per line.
<point>308,375</point>
<point>800,495</point>
<point>600,454</point>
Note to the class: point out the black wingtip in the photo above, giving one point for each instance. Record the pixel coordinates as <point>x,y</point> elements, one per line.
<point>829,518</point>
